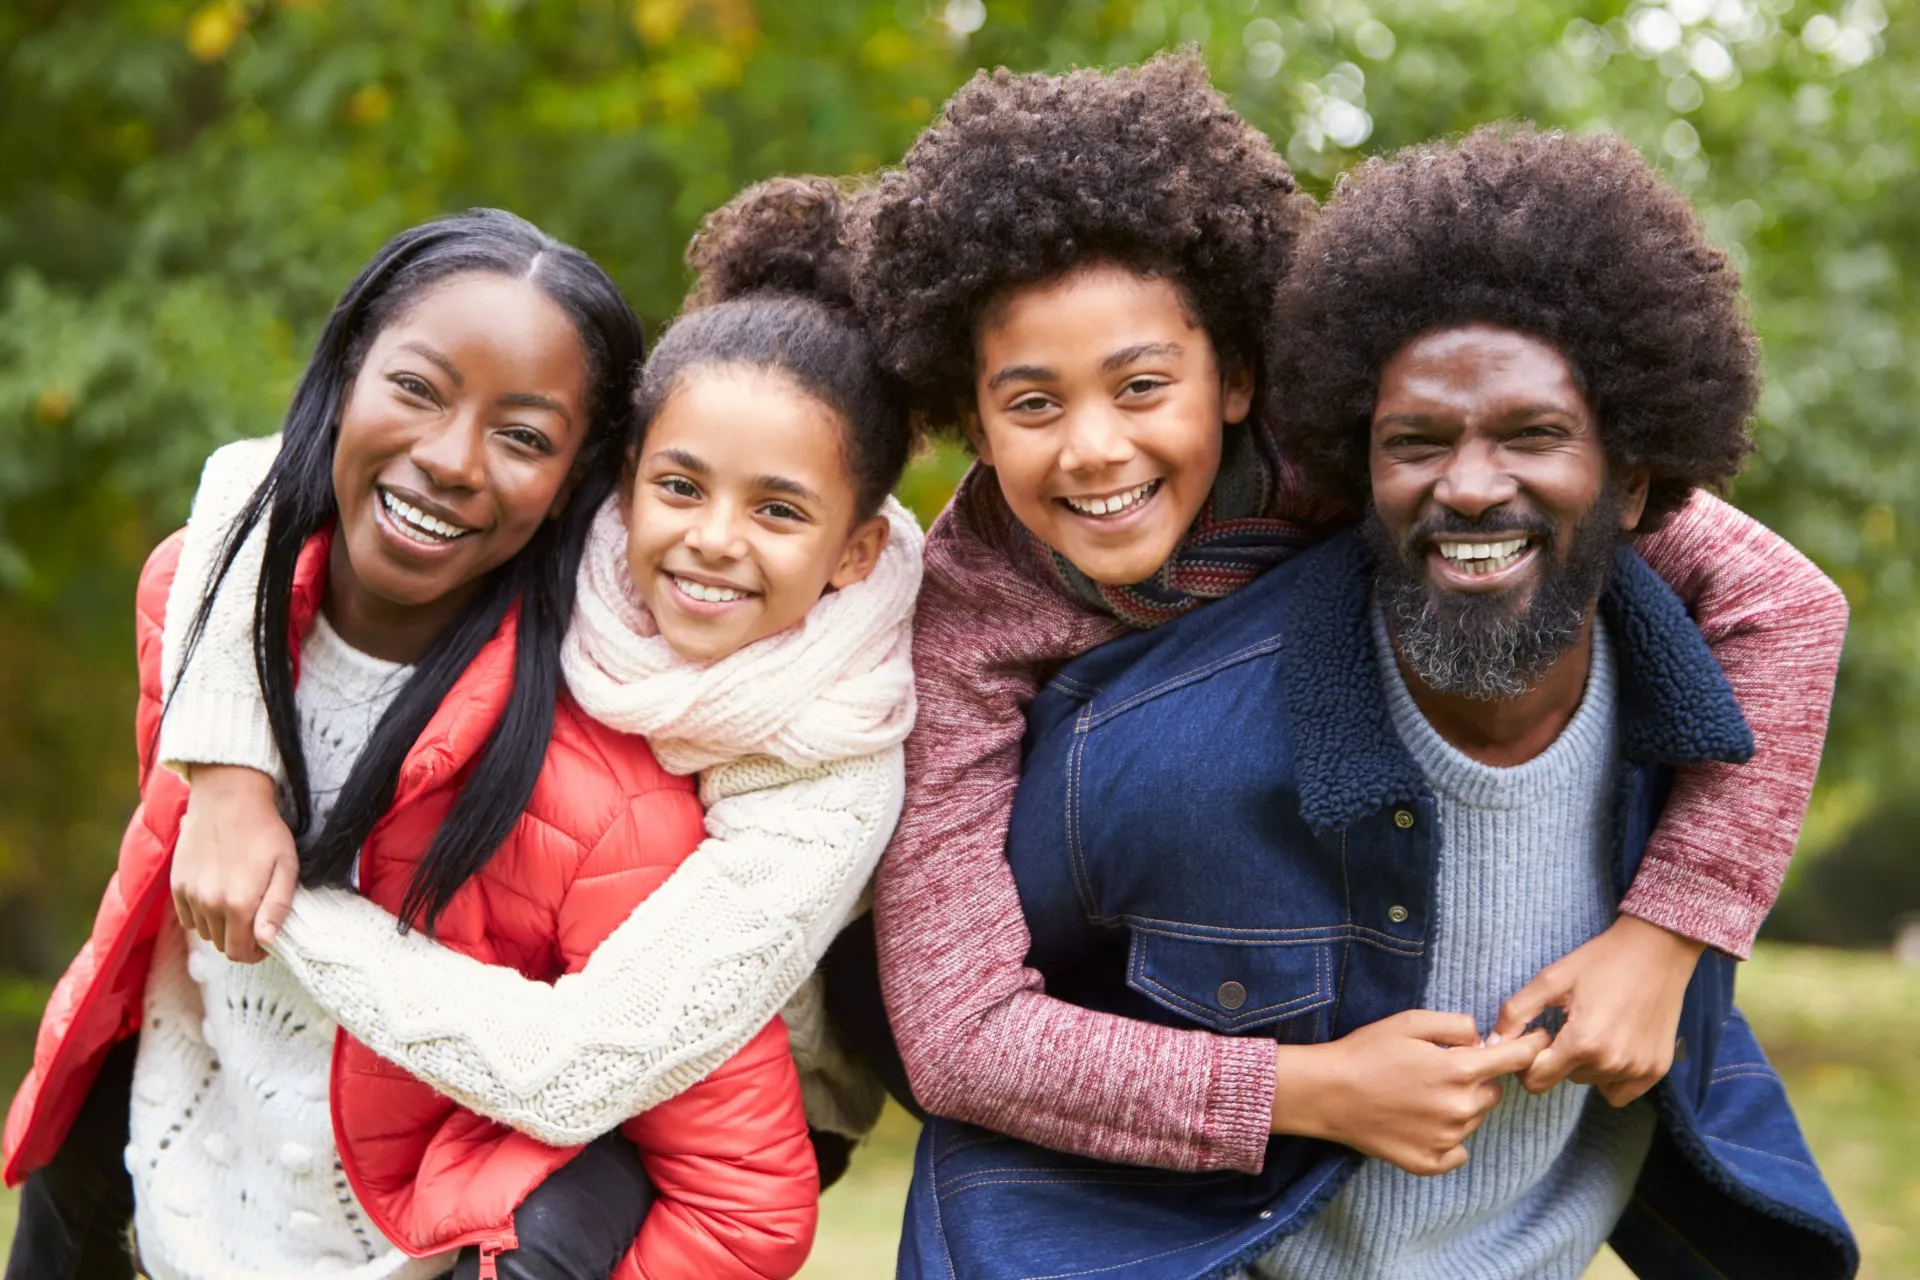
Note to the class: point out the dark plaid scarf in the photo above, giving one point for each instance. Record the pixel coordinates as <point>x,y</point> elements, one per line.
<point>1254,518</point>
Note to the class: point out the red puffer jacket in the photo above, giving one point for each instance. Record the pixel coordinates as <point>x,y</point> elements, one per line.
<point>730,1161</point>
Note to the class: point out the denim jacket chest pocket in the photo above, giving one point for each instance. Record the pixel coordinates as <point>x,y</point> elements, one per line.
<point>1237,980</point>
<point>1234,912</point>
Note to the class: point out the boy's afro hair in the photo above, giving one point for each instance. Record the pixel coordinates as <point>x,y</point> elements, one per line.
<point>1024,177</point>
<point>1576,240</point>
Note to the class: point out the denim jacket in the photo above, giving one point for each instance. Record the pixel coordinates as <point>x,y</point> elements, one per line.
<point>1218,826</point>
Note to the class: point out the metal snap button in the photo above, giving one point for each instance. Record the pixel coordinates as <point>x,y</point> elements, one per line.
<point>1265,1214</point>
<point>1403,819</point>
<point>1397,913</point>
<point>1231,995</point>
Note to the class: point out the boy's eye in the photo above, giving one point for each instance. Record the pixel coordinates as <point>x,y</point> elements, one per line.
<point>782,511</point>
<point>1143,386</point>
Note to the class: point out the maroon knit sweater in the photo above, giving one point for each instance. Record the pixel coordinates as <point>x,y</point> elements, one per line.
<point>982,1040</point>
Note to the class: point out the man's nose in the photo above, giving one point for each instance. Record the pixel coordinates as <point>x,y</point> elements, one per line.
<point>1474,482</point>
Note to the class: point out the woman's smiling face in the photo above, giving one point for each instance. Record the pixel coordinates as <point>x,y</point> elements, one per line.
<point>742,513</point>
<point>456,443</point>
<point>1101,404</point>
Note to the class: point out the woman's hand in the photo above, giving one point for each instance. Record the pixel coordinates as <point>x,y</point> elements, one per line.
<point>1621,994</point>
<point>235,867</point>
<point>1409,1089</point>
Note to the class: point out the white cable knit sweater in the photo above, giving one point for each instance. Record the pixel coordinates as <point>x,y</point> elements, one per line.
<point>799,737</point>
<point>231,1148</point>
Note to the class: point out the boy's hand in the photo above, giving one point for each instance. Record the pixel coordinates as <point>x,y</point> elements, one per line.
<point>1621,994</point>
<point>1408,1089</point>
<point>235,867</point>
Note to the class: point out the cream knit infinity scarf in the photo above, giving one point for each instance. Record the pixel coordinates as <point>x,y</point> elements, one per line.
<point>839,684</point>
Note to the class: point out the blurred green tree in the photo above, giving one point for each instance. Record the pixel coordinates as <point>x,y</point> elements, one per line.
<point>184,188</point>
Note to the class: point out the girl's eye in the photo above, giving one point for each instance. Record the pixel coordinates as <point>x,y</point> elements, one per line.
<point>1143,386</point>
<point>1029,404</point>
<point>678,486</point>
<point>782,511</point>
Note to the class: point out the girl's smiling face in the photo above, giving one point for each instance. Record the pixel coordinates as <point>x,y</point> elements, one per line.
<point>742,513</point>
<point>1100,408</point>
<point>455,444</point>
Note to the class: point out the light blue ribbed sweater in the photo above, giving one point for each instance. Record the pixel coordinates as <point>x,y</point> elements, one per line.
<point>1522,881</point>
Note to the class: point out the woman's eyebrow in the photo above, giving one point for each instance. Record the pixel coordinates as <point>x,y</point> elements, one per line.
<point>1142,351</point>
<point>529,400</point>
<point>428,353</point>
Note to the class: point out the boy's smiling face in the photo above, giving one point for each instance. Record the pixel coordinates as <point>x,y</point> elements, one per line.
<point>1100,405</point>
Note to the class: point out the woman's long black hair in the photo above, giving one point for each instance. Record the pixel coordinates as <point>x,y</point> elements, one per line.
<point>297,501</point>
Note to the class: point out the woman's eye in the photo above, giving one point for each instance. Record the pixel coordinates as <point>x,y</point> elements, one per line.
<point>413,386</point>
<point>528,438</point>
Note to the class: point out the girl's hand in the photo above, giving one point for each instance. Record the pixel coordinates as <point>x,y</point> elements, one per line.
<point>1408,1089</point>
<point>235,867</point>
<point>1621,994</point>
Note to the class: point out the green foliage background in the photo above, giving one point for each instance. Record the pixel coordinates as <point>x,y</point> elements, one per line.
<point>184,189</point>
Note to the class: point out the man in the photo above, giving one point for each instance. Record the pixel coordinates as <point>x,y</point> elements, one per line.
<point>1359,804</point>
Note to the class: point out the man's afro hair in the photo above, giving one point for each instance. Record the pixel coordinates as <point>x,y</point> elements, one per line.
<point>1025,177</point>
<point>1576,240</point>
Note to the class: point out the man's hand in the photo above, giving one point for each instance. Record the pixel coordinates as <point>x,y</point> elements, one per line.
<point>235,867</point>
<point>1408,1089</point>
<point>1621,994</point>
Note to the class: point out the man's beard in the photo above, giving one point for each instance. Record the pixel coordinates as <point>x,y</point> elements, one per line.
<point>1480,645</point>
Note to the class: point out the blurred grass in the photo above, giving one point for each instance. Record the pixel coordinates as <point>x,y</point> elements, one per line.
<point>1843,1027</point>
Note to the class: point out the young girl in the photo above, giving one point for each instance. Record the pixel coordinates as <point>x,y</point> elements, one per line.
<point>1079,269</point>
<point>446,455</point>
<point>744,605</point>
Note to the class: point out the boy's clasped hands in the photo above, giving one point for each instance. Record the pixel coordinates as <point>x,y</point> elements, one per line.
<point>1410,1089</point>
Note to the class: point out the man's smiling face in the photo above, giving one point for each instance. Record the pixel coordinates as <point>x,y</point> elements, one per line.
<point>1494,513</point>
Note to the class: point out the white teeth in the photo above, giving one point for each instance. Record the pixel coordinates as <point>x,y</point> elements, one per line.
<point>413,520</point>
<point>1117,503</point>
<point>711,595</point>
<point>1483,557</point>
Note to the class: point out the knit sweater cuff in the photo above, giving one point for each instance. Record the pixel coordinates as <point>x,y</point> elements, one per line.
<point>1240,1102</point>
<point>206,726</point>
<point>1692,902</point>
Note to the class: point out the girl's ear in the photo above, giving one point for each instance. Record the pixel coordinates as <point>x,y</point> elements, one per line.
<point>1236,393</point>
<point>862,552</point>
